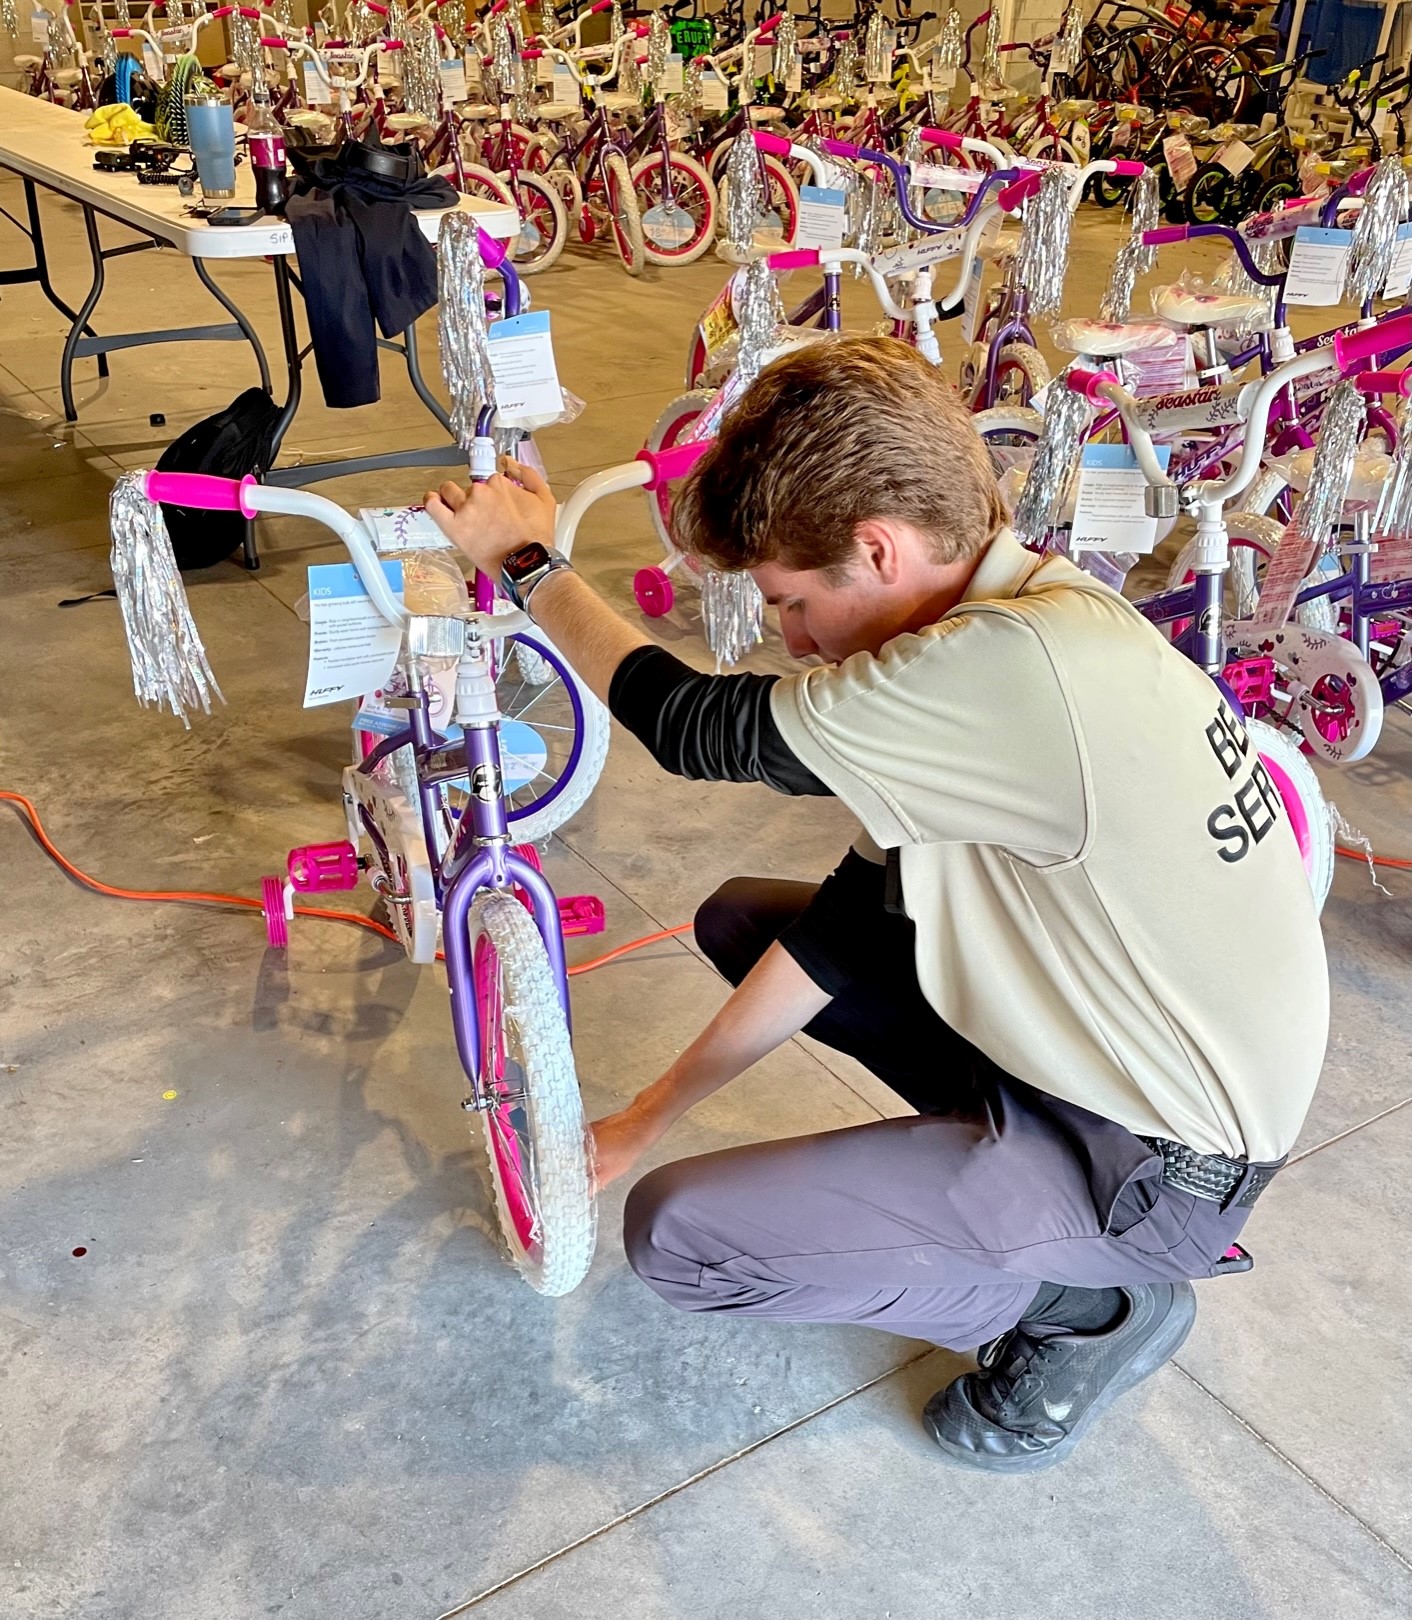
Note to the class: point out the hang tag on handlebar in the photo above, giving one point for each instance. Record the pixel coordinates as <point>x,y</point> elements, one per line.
<point>453,82</point>
<point>39,20</point>
<point>1399,275</point>
<point>821,218</point>
<point>673,80</point>
<point>352,648</point>
<point>1109,511</point>
<point>526,378</point>
<point>544,69</point>
<point>971,300</point>
<point>1318,265</point>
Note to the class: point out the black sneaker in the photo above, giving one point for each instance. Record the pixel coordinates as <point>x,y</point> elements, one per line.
<point>1036,1392</point>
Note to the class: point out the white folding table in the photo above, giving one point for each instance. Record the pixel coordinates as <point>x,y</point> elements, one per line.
<point>43,144</point>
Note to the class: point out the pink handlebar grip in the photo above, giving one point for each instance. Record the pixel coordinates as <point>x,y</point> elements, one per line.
<point>599,5</point>
<point>769,27</point>
<point>373,5</point>
<point>531,56</point>
<point>1164,234</point>
<point>674,463</point>
<point>121,33</point>
<point>1129,167</point>
<point>1351,347</point>
<point>794,259</point>
<point>1357,184</point>
<point>274,44</point>
<point>943,137</point>
<point>1016,193</point>
<point>1088,383</point>
<point>201,490</point>
<point>776,145</point>
<point>1384,382</point>
<point>493,250</point>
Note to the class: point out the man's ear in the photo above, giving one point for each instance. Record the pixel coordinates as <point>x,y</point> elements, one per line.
<point>879,551</point>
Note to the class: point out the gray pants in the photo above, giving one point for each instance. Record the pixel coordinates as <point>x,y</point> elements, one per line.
<point>939,1227</point>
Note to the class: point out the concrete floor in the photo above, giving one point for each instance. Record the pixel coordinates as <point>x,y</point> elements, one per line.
<point>291,1376</point>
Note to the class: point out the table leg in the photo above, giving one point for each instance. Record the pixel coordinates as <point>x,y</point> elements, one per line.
<point>414,372</point>
<point>40,271</point>
<point>80,321</point>
<point>234,311</point>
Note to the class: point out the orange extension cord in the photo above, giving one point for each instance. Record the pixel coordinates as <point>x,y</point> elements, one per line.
<point>195,897</point>
<point>198,898</point>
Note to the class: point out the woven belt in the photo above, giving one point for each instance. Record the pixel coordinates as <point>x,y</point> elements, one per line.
<point>1212,1176</point>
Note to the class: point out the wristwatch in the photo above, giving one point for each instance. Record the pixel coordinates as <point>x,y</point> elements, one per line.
<point>522,570</point>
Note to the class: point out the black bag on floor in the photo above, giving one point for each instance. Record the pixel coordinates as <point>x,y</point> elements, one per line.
<point>230,444</point>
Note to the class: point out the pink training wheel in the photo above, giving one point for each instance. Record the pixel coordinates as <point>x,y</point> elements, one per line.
<point>653,590</point>
<point>272,904</point>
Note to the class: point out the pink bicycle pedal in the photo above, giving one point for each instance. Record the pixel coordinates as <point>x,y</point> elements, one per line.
<point>581,914</point>
<point>319,868</point>
<point>276,920</point>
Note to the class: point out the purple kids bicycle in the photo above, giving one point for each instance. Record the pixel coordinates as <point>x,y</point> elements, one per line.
<point>447,806</point>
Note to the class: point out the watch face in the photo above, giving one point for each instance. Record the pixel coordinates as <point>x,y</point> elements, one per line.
<point>526,559</point>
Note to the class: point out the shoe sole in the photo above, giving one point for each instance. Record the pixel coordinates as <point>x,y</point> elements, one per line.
<point>1160,1349</point>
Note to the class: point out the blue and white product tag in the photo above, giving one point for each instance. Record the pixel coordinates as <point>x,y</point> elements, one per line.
<point>821,217</point>
<point>1399,275</point>
<point>453,80</point>
<point>1110,512</point>
<point>673,80</point>
<point>39,20</point>
<point>1318,263</point>
<point>566,86</point>
<point>522,361</point>
<point>668,225</point>
<point>352,648</point>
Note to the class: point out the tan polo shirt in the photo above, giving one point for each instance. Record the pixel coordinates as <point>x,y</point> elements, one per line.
<point>1108,897</point>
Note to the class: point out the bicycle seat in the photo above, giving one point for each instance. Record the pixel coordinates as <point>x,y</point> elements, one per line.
<point>28,62</point>
<point>558,112</point>
<point>477,111</point>
<point>1183,307</point>
<point>405,121</point>
<point>618,100</point>
<point>68,76</point>
<point>766,115</point>
<point>1105,339</point>
<point>827,102</point>
<point>1371,469</point>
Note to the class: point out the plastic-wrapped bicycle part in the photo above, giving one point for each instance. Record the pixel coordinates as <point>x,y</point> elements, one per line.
<point>1372,467</point>
<point>1104,339</point>
<point>1193,301</point>
<point>1311,816</point>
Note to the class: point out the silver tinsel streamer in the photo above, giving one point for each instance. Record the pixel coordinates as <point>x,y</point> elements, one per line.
<point>1386,199</point>
<point>1394,516</point>
<point>691,85</point>
<point>1232,278</point>
<point>616,21</point>
<point>948,45</point>
<point>504,64</point>
<point>1339,434</point>
<point>732,614</point>
<point>659,45</point>
<point>877,64</point>
<point>283,12</point>
<point>786,37</point>
<point>1133,259</point>
<point>845,69</point>
<point>629,73</point>
<point>1068,42</point>
<point>421,71</point>
<point>992,70</point>
<point>10,18</point>
<point>176,13</point>
<point>548,18</point>
<point>1043,255</point>
<point>169,663</point>
<point>461,324</point>
<point>1066,416</point>
<point>761,313</point>
<point>122,14</point>
<point>244,42</point>
<point>744,193</point>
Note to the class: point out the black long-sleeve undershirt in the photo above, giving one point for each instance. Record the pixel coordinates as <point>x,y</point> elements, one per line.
<point>708,728</point>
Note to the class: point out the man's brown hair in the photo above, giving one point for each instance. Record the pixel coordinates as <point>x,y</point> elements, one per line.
<point>828,437</point>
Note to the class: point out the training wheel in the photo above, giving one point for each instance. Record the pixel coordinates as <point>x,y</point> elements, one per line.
<point>653,589</point>
<point>272,904</point>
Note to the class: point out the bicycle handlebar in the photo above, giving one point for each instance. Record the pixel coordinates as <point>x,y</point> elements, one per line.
<point>1165,234</point>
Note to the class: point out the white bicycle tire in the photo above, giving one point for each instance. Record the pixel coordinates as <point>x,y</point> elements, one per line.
<point>1274,746</point>
<point>628,241</point>
<point>553,1104</point>
<point>549,195</point>
<point>593,754</point>
<point>485,181</point>
<point>688,165</point>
